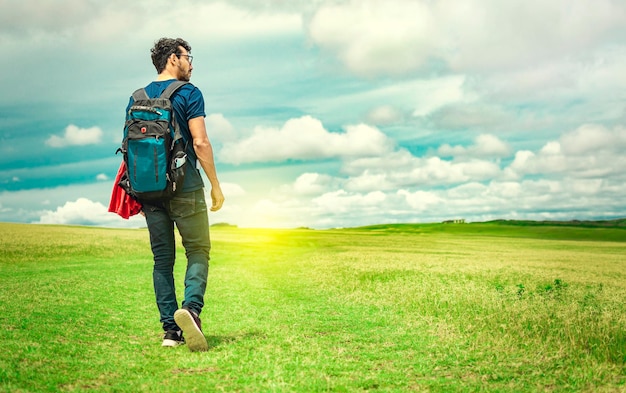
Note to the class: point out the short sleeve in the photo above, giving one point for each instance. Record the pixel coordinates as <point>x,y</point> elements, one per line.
<point>195,104</point>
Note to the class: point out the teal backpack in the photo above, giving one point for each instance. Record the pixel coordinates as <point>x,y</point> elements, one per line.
<point>153,147</point>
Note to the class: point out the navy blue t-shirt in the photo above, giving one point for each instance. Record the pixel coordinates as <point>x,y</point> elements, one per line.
<point>188,103</point>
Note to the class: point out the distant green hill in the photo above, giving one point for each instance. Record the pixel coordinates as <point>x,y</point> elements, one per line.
<point>617,223</point>
<point>611,230</point>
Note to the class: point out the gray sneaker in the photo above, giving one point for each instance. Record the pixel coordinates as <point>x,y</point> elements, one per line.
<point>191,325</point>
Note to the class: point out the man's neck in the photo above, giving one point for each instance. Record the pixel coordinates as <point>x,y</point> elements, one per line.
<point>165,75</point>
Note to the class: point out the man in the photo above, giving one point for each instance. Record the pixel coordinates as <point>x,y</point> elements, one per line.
<point>188,209</point>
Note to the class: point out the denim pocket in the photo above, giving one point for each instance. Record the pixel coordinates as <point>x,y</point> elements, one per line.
<point>187,204</point>
<point>182,205</point>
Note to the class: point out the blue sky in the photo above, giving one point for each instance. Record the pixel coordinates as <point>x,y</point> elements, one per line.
<point>329,113</point>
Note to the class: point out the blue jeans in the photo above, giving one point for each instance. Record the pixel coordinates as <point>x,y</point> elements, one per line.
<point>189,212</point>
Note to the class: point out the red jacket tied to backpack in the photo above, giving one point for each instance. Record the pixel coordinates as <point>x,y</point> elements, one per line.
<point>121,203</point>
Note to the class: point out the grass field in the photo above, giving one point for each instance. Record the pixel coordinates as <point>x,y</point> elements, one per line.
<point>398,308</point>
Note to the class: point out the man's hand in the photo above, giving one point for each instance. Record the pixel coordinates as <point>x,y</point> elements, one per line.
<point>217,198</point>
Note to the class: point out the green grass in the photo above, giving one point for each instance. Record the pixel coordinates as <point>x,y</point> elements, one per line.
<point>396,308</point>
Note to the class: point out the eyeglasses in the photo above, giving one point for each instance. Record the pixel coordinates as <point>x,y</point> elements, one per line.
<point>189,57</point>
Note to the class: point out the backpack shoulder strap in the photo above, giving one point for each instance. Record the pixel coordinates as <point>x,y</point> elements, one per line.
<point>140,94</point>
<point>167,93</point>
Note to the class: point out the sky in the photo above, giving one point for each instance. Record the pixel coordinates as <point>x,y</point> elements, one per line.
<point>328,113</point>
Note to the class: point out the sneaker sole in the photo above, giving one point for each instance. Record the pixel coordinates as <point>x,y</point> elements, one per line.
<point>193,335</point>
<point>171,343</point>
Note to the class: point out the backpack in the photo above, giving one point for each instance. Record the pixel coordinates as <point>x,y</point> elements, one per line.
<point>153,148</point>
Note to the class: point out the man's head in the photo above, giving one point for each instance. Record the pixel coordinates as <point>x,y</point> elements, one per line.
<point>172,55</point>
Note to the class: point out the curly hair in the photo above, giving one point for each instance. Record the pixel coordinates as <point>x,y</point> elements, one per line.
<point>164,48</point>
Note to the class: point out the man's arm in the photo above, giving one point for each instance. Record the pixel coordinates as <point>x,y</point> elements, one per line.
<point>204,152</point>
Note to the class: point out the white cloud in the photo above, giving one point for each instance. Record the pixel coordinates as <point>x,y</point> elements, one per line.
<point>313,184</point>
<point>559,199</point>
<point>97,22</point>
<point>421,200</point>
<point>402,36</point>
<point>369,180</point>
<point>370,37</point>
<point>230,190</point>
<point>401,169</point>
<point>24,17</point>
<point>219,128</point>
<point>485,146</point>
<point>590,151</point>
<point>82,212</point>
<point>305,138</point>
<point>593,138</point>
<point>51,204</point>
<point>492,35</point>
<point>221,19</point>
<point>384,115</point>
<point>102,177</point>
<point>399,159</point>
<point>75,136</point>
<point>417,97</point>
<point>434,94</point>
<point>470,116</point>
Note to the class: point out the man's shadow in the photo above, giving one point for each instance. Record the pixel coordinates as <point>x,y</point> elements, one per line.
<point>216,341</point>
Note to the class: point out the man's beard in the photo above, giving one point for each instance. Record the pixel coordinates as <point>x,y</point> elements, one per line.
<point>183,75</point>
